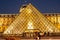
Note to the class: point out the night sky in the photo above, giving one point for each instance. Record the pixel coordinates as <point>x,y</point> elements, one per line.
<point>44,6</point>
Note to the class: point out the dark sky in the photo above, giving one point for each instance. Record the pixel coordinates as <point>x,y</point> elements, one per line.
<point>13,6</point>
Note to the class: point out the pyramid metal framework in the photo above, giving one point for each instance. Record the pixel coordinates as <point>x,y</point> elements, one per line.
<point>30,20</point>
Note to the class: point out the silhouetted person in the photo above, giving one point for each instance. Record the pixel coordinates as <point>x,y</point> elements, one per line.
<point>37,35</point>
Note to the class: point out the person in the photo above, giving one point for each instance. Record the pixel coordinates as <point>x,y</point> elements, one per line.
<point>37,35</point>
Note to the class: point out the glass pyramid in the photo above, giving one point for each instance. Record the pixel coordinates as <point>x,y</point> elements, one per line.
<point>30,20</point>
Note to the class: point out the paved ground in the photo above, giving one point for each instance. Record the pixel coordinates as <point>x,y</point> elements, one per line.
<point>45,38</point>
<point>34,39</point>
<point>42,38</point>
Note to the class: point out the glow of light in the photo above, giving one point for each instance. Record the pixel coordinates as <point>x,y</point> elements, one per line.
<point>51,30</point>
<point>30,26</point>
<point>8,30</point>
<point>21,9</point>
<point>29,10</point>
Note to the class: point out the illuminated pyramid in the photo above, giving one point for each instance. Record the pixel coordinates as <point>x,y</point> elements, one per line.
<point>30,20</point>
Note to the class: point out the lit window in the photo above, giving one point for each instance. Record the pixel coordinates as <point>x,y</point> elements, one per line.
<point>59,20</point>
<point>53,19</point>
<point>1,21</point>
